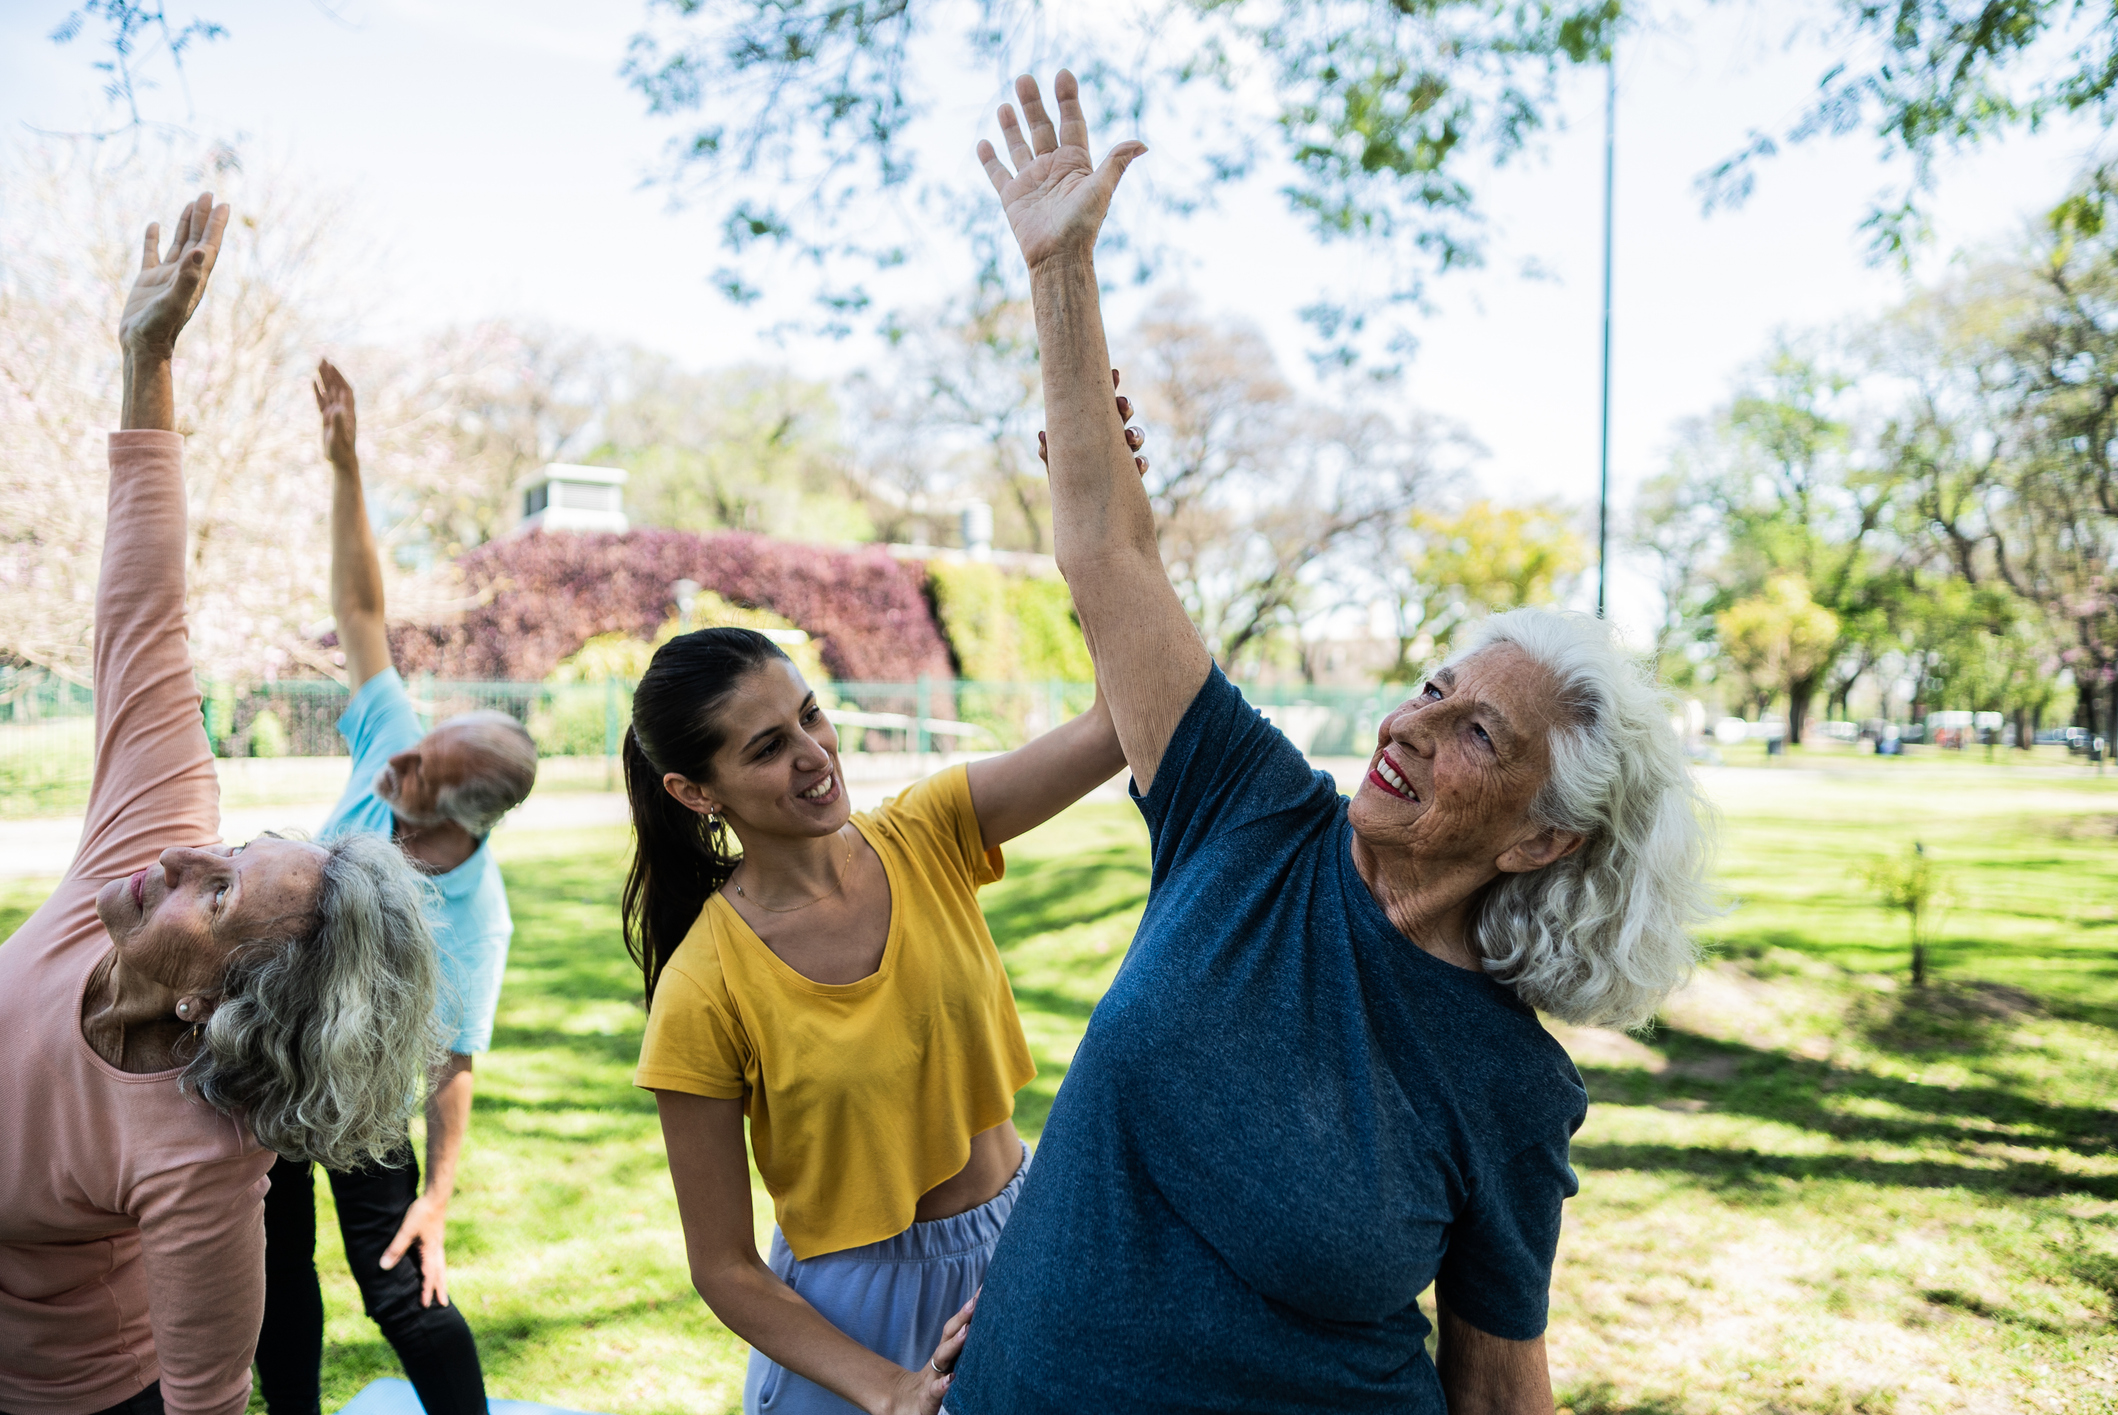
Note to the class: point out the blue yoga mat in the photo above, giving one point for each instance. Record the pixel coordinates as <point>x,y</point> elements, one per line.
<point>395,1397</point>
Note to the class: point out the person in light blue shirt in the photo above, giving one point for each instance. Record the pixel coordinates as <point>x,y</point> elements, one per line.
<point>438,795</point>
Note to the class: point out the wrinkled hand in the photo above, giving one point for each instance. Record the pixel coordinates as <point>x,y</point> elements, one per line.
<point>168,287</point>
<point>1134,438</point>
<point>425,1223</point>
<point>1056,197</point>
<point>334,400</point>
<point>921,1391</point>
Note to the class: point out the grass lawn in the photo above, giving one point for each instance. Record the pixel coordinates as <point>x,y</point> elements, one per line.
<point>1812,1189</point>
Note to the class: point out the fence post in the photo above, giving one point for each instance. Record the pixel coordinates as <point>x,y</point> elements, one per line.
<point>610,734</point>
<point>919,715</point>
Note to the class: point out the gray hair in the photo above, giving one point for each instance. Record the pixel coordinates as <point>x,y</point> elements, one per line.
<point>1601,937</point>
<point>506,769</point>
<point>324,1042</point>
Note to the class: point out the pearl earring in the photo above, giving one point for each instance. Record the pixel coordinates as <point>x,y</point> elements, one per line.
<point>183,1009</point>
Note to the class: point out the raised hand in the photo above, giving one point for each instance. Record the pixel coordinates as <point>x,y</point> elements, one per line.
<point>169,286</point>
<point>1134,438</point>
<point>1055,197</point>
<point>334,400</point>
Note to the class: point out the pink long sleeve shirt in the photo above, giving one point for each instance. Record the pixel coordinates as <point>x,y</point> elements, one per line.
<point>132,1233</point>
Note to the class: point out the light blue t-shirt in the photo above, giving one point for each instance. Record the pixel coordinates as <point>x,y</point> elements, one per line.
<point>468,905</point>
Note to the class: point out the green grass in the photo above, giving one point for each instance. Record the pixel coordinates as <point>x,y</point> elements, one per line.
<point>1813,1188</point>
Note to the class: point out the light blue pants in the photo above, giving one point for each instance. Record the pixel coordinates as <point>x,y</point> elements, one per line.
<point>892,1297</point>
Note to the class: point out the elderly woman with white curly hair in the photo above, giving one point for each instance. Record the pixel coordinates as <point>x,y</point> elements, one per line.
<point>179,1010</point>
<point>1318,1084</point>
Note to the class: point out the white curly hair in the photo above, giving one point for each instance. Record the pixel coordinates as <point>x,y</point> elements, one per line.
<point>1602,936</point>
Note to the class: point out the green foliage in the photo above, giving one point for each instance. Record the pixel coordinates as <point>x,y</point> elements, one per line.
<point>268,735</point>
<point>1386,111</point>
<point>1006,628</point>
<point>1913,883</point>
<point>1935,80</point>
<point>1482,560</point>
<point>749,449</point>
<point>1779,636</point>
<point>1048,639</point>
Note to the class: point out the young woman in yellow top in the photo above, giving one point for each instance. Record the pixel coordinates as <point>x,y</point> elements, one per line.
<point>834,983</point>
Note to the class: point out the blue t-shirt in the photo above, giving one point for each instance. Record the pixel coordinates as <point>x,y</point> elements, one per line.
<point>468,905</point>
<point>1285,1120</point>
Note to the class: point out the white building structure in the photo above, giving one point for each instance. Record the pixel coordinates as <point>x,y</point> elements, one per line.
<point>560,497</point>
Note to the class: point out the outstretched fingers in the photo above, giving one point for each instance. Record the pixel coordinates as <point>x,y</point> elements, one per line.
<point>1011,133</point>
<point>152,255</point>
<point>996,171</point>
<point>1043,136</point>
<point>214,221</point>
<point>1073,124</point>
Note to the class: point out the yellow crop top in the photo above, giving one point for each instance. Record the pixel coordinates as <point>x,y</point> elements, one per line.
<point>861,1096</point>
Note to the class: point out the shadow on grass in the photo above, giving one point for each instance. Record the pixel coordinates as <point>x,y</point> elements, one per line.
<point>1083,889</point>
<point>1732,1078</point>
<point>1735,1173</point>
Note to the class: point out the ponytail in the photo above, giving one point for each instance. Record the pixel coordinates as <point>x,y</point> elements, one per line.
<point>680,858</point>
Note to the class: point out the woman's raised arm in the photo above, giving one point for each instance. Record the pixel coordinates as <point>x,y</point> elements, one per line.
<point>154,783</point>
<point>1149,660</point>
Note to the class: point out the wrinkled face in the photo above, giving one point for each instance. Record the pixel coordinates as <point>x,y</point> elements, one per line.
<point>1456,767</point>
<point>777,771</point>
<point>182,920</point>
<point>411,783</point>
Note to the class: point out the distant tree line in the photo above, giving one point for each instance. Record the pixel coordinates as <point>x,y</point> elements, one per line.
<point>1931,500</point>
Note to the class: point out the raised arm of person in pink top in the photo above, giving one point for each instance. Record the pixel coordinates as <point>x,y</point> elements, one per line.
<point>203,1255</point>
<point>154,784</point>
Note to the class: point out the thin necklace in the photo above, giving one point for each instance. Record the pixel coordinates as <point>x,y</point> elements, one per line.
<point>843,871</point>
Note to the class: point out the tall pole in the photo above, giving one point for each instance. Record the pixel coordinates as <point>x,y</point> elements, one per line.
<point>1610,170</point>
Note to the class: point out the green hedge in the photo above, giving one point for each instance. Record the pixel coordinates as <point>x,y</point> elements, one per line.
<point>1006,628</point>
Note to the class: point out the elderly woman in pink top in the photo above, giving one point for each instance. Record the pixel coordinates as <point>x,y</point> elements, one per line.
<point>179,1010</point>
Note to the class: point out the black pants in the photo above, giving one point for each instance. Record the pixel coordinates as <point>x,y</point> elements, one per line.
<point>434,1344</point>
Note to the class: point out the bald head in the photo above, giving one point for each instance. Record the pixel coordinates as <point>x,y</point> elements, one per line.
<point>485,764</point>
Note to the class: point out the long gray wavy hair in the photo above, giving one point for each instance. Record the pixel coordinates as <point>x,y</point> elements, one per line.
<point>1601,937</point>
<point>323,1043</point>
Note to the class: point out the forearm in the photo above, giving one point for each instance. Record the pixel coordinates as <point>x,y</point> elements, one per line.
<point>1020,790</point>
<point>1098,504</point>
<point>752,1302</point>
<point>1482,1374</point>
<point>448,1121</point>
<point>149,399</point>
<point>356,576</point>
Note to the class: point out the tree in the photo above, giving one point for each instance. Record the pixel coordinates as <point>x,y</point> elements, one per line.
<point>1451,570</point>
<point>1259,497</point>
<point>1779,640</point>
<point>749,448</point>
<point>1935,79</point>
<point>70,231</point>
<point>799,115</point>
<point>957,419</point>
<point>1778,485</point>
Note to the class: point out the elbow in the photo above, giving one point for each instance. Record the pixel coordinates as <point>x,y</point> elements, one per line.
<point>720,1280</point>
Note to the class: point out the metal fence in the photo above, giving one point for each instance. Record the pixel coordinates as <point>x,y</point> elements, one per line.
<point>46,743</point>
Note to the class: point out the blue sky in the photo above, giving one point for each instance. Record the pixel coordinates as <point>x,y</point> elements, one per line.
<point>498,156</point>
